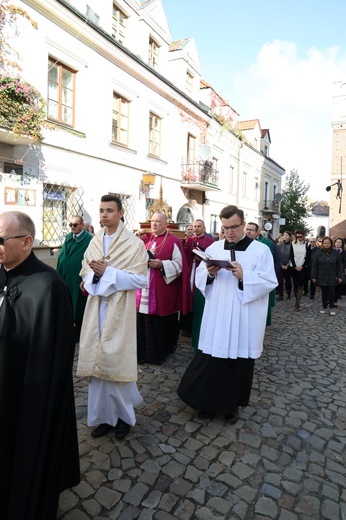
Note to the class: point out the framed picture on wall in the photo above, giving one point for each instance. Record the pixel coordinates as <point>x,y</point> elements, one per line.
<point>10,195</point>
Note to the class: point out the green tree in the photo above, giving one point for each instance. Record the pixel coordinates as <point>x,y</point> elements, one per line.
<point>294,203</point>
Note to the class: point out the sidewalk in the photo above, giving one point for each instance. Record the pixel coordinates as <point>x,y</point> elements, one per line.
<point>285,459</point>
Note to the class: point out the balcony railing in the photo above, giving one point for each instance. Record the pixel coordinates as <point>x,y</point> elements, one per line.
<point>200,172</point>
<point>270,206</point>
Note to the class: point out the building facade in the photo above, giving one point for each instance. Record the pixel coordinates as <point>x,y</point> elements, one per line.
<point>127,113</point>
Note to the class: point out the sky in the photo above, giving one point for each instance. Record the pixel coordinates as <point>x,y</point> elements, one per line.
<point>276,61</point>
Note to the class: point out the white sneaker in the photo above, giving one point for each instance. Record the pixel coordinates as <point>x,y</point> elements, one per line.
<point>322,311</point>
<point>332,313</point>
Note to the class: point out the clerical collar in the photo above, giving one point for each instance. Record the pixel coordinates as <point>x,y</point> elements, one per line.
<point>243,243</point>
<point>155,235</point>
<point>79,234</point>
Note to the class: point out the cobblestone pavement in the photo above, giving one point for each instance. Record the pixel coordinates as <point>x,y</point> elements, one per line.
<point>285,459</point>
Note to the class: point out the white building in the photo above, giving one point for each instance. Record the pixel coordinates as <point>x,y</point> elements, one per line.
<point>123,102</point>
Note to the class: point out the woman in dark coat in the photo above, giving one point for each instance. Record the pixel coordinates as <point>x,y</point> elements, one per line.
<point>327,273</point>
<point>339,246</point>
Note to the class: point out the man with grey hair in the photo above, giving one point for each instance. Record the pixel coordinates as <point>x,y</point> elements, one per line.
<point>69,265</point>
<point>38,440</point>
<point>164,296</point>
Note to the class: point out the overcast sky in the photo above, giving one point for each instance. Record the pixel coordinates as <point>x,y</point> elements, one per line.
<point>278,62</point>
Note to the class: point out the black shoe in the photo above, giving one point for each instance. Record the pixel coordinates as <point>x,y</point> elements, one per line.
<point>279,299</point>
<point>305,293</point>
<point>121,429</point>
<point>205,415</point>
<point>233,417</point>
<point>102,429</point>
<point>288,297</point>
<point>312,297</point>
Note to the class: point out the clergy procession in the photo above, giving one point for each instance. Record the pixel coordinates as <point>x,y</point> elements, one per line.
<point>120,304</point>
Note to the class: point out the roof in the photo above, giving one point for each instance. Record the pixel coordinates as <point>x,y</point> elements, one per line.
<point>178,44</point>
<point>248,125</point>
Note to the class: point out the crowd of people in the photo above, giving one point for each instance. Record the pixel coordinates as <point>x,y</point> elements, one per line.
<point>123,298</point>
<point>309,265</point>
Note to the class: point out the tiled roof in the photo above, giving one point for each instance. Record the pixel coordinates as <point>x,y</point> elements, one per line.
<point>248,125</point>
<point>178,44</point>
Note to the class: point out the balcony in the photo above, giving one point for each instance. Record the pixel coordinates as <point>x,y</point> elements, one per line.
<point>200,175</point>
<point>269,206</point>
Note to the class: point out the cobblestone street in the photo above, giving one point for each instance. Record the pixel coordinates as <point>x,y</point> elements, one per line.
<point>285,459</point>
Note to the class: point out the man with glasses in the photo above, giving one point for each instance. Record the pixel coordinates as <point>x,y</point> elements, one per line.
<point>38,437</point>
<point>69,265</point>
<point>219,377</point>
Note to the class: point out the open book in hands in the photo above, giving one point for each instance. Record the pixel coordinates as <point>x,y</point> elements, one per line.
<point>221,262</point>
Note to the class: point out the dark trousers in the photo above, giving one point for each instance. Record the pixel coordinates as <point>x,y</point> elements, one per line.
<point>312,289</point>
<point>328,296</point>
<point>285,276</point>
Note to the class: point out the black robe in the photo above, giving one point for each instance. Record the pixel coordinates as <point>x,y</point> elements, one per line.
<point>38,434</point>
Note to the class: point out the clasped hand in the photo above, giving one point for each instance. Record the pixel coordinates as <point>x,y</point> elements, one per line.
<point>98,266</point>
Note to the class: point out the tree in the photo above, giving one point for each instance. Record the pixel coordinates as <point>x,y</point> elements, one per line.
<point>294,203</point>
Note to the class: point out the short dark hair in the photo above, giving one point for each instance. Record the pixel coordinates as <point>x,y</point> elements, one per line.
<point>253,224</point>
<point>229,211</point>
<point>112,198</point>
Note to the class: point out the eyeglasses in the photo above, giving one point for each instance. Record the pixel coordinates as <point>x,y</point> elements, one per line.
<point>74,225</point>
<point>3,239</point>
<point>299,236</point>
<point>230,228</point>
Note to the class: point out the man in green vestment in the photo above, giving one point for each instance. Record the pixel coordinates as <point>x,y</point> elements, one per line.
<point>69,265</point>
<point>254,231</point>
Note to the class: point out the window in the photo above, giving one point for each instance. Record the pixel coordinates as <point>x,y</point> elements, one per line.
<point>119,25</point>
<point>61,86</point>
<point>191,149</point>
<point>120,120</point>
<point>154,135</point>
<point>256,188</point>
<point>189,83</point>
<point>266,194</point>
<point>153,59</point>
<point>244,183</point>
<point>231,179</point>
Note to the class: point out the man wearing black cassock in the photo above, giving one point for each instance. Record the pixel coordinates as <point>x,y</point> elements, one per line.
<point>38,436</point>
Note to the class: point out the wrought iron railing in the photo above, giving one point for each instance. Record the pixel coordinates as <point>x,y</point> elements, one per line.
<point>200,172</point>
<point>270,205</point>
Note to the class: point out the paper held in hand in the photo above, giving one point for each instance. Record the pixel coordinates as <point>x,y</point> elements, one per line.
<point>220,262</point>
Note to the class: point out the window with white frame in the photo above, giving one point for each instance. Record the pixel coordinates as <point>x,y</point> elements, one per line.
<point>119,24</point>
<point>61,92</point>
<point>191,149</point>
<point>244,186</point>
<point>120,119</point>
<point>189,83</point>
<point>256,188</point>
<point>154,135</point>
<point>153,57</point>
<point>231,179</point>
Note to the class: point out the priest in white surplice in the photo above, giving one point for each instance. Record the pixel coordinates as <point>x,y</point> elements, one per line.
<point>114,266</point>
<point>219,377</point>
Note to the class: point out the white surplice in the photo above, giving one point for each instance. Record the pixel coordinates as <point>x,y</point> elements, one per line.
<point>234,320</point>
